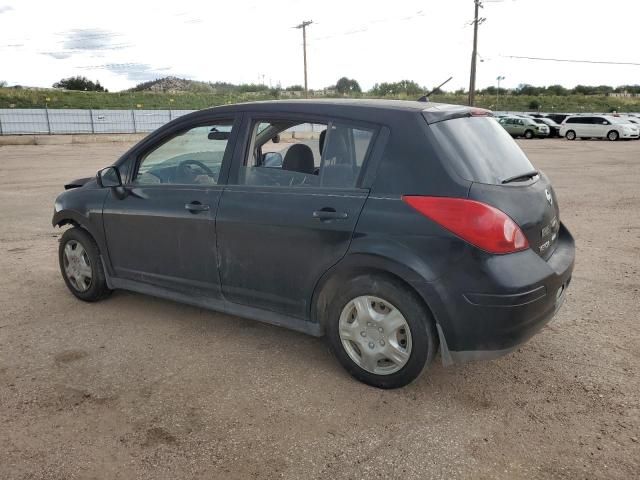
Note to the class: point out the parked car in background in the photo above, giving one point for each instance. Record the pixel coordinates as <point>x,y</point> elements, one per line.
<point>558,117</point>
<point>393,228</point>
<point>554,128</point>
<point>524,127</point>
<point>597,126</point>
<point>634,121</point>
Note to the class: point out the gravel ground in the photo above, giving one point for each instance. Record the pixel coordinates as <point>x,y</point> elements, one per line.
<point>136,387</point>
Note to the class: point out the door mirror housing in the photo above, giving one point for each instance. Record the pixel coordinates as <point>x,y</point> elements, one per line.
<point>272,160</point>
<point>109,178</point>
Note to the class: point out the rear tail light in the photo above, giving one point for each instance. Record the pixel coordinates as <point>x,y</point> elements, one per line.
<point>480,224</point>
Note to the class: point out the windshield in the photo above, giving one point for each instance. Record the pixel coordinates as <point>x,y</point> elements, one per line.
<point>480,150</point>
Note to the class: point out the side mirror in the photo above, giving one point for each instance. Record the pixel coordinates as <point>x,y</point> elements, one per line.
<point>109,178</point>
<point>272,160</point>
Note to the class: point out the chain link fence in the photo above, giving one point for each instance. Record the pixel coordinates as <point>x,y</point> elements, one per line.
<point>47,121</point>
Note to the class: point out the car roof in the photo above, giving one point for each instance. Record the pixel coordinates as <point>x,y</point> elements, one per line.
<point>433,112</point>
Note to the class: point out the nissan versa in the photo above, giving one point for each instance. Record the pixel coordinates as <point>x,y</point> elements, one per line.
<point>393,228</point>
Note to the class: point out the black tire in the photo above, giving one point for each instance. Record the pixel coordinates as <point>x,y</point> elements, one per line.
<point>528,134</point>
<point>420,322</point>
<point>97,288</point>
<point>570,135</point>
<point>613,136</point>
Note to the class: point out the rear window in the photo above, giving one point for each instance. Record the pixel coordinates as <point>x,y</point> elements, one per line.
<point>480,150</point>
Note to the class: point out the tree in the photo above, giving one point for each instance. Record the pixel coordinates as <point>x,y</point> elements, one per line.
<point>346,86</point>
<point>558,90</point>
<point>406,87</point>
<point>80,83</point>
<point>534,105</point>
<point>3,83</point>
<point>526,89</point>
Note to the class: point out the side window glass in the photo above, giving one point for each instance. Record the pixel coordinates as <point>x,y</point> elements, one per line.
<point>304,154</point>
<point>192,157</point>
<point>343,155</point>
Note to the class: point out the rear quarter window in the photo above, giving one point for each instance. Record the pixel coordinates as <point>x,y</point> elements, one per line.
<point>480,150</point>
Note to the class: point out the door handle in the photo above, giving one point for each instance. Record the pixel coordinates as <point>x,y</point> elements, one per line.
<point>195,207</point>
<point>329,214</point>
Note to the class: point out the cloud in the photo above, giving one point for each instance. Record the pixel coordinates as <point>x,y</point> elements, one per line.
<point>92,41</point>
<point>135,72</point>
<point>57,55</point>
<point>89,39</point>
<point>5,9</point>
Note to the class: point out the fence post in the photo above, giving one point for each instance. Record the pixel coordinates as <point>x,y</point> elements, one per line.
<point>46,111</point>
<point>93,128</point>
<point>1,126</point>
<point>133,117</point>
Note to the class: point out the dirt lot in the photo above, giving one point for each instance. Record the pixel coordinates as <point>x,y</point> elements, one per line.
<point>136,387</point>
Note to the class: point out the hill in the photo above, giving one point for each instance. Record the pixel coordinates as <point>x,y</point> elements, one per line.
<point>174,85</point>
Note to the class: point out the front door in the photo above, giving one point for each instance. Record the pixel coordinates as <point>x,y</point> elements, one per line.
<point>289,211</point>
<point>163,231</point>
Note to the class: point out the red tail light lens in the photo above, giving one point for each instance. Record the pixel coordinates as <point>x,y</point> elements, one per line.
<point>479,224</point>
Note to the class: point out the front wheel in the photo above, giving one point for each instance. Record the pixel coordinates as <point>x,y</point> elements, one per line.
<point>528,134</point>
<point>570,135</point>
<point>381,333</point>
<point>613,135</point>
<point>81,266</point>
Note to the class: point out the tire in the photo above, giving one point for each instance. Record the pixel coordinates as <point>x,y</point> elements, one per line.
<point>570,135</point>
<point>613,136</point>
<point>81,266</point>
<point>385,334</point>
<point>528,134</point>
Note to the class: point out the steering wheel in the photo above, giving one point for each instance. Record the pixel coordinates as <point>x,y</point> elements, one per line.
<point>186,171</point>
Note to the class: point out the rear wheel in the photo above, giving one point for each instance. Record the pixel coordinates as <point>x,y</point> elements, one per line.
<point>613,135</point>
<point>570,135</point>
<point>380,332</point>
<point>81,266</point>
<point>528,134</point>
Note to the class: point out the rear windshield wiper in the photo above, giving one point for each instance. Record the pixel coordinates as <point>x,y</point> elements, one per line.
<point>521,177</point>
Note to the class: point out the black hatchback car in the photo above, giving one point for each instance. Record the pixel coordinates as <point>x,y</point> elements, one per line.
<point>393,228</point>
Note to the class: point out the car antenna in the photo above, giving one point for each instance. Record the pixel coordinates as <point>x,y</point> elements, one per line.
<point>425,97</point>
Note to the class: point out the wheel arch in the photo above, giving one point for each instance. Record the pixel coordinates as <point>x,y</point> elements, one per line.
<point>78,220</point>
<point>71,217</point>
<point>360,264</point>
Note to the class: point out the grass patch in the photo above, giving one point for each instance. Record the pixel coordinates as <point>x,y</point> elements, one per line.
<point>36,98</point>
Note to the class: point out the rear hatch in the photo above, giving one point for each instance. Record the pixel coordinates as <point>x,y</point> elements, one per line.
<point>481,151</point>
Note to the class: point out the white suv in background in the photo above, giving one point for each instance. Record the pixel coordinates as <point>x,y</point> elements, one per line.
<point>597,126</point>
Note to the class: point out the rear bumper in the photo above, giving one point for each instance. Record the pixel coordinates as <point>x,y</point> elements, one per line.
<point>488,314</point>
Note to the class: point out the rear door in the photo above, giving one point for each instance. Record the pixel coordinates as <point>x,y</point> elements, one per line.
<point>280,228</point>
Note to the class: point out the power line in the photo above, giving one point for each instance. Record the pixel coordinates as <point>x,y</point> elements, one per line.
<point>568,60</point>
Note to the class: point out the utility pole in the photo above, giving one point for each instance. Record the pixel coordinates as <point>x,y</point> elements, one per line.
<point>474,54</point>
<point>304,26</point>
<point>498,78</point>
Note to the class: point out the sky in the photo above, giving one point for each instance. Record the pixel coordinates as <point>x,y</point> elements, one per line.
<point>121,43</point>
